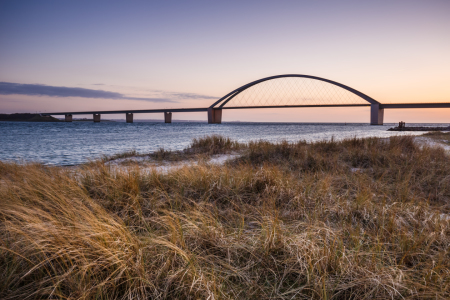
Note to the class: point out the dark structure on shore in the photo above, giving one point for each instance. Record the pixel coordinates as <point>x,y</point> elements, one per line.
<point>402,127</point>
<point>281,91</point>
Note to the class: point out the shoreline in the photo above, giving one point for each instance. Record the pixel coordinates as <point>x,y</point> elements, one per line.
<point>148,159</point>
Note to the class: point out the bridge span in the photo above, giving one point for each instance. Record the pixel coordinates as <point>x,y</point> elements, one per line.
<point>280,91</point>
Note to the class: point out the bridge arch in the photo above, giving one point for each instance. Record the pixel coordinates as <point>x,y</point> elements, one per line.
<point>225,99</point>
<point>215,110</point>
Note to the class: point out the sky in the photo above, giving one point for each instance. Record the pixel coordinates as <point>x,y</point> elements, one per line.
<point>117,55</point>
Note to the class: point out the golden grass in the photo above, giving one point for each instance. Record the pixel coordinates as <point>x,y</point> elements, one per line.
<point>200,148</point>
<point>357,219</point>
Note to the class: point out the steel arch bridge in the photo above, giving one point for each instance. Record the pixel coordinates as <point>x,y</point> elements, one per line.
<point>289,90</point>
<point>301,93</point>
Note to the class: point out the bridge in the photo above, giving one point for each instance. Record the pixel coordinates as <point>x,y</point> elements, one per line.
<point>280,91</point>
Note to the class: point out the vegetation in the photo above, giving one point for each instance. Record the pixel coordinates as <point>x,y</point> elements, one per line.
<point>27,117</point>
<point>353,219</point>
<point>199,148</point>
<point>439,136</point>
<point>214,144</point>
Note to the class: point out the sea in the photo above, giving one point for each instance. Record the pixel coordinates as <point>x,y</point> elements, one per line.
<point>80,142</point>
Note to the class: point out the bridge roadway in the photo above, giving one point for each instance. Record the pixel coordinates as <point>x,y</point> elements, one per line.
<point>215,110</point>
<point>215,114</point>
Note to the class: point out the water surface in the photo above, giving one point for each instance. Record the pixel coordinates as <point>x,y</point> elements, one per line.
<point>78,142</point>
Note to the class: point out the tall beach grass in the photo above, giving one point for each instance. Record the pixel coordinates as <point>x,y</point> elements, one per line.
<point>353,219</point>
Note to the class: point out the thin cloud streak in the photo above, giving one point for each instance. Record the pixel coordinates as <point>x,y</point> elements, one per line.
<point>8,88</point>
<point>190,96</point>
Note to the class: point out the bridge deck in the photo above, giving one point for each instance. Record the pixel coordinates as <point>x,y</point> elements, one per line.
<point>136,111</point>
<point>386,106</point>
<point>415,105</point>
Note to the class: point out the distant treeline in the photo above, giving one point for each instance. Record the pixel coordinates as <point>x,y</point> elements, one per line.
<point>27,118</point>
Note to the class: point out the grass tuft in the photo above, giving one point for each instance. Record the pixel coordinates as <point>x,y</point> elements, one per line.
<point>214,144</point>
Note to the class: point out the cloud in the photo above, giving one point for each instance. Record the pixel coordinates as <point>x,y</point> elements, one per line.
<point>8,88</point>
<point>180,95</point>
<point>190,96</point>
<point>151,99</point>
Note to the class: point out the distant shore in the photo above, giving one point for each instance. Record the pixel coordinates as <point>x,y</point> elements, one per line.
<point>27,118</point>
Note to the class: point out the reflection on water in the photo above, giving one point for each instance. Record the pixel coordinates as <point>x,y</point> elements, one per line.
<point>78,142</point>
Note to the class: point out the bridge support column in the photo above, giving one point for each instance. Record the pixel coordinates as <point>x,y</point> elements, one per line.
<point>96,118</point>
<point>68,118</point>
<point>129,117</point>
<point>214,115</point>
<point>376,114</point>
<point>167,117</point>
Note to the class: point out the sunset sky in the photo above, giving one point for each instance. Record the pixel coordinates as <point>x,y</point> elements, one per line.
<point>114,55</point>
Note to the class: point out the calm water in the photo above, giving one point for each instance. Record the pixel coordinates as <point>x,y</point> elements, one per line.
<point>78,142</point>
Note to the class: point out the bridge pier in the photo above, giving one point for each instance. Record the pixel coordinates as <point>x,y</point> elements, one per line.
<point>68,118</point>
<point>214,115</point>
<point>129,117</point>
<point>376,114</point>
<point>167,117</point>
<point>96,118</point>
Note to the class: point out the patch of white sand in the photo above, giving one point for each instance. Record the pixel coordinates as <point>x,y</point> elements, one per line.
<point>423,140</point>
<point>147,164</point>
<point>445,217</point>
<point>220,159</point>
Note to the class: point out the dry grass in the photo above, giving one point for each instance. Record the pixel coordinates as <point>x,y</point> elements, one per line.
<point>200,148</point>
<point>214,144</point>
<point>357,219</point>
<point>439,136</point>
